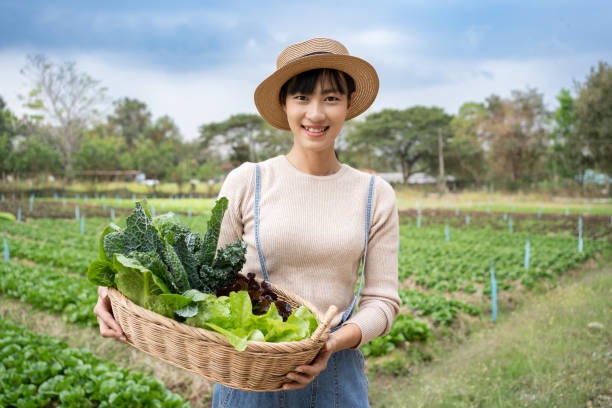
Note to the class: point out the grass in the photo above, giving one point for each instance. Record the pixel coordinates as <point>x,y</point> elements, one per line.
<point>530,203</point>
<point>406,200</point>
<point>554,351</point>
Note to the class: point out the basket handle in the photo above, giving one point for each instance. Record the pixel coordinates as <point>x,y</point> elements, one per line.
<point>324,326</point>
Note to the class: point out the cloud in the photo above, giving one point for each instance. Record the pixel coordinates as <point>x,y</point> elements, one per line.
<point>191,99</point>
<point>448,83</point>
<point>472,38</point>
<point>215,92</point>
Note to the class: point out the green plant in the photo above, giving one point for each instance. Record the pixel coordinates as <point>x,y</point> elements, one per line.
<point>39,371</point>
<point>164,266</point>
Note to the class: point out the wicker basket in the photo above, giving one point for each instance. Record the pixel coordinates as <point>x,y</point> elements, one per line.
<point>262,366</point>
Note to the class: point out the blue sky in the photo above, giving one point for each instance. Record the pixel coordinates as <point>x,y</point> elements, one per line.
<point>199,61</point>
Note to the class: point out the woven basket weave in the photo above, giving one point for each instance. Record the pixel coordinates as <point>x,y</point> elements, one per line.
<point>262,366</point>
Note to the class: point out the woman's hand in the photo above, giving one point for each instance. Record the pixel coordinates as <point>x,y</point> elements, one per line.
<point>305,374</point>
<point>348,336</point>
<point>108,325</point>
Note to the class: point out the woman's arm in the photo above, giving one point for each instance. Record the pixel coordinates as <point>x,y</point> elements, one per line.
<point>379,301</point>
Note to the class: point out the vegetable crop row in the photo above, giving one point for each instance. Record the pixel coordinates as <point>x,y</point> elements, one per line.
<point>406,328</point>
<point>62,232</point>
<point>47,253</point>
<point>39,371</point>
<point>440,309</point>
<point>593,226</point>
<point>49,289</point>
<point>463,263</point>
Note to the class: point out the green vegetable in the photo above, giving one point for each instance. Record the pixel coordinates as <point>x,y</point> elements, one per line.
<point>176,256</point>
<point>135,281</point>
<point>232,316</point>
<point>40,371</point>
<point>164,266</point>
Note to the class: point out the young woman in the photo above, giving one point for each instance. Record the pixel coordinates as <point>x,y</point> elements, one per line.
<point>310,221</point>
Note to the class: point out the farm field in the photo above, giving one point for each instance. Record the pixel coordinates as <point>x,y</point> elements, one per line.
<point>461,266</point>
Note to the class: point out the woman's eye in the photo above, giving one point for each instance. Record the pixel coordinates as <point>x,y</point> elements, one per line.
<point>300,97</point>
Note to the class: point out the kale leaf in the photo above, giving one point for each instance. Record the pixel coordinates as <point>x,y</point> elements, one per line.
<point>177,256</point>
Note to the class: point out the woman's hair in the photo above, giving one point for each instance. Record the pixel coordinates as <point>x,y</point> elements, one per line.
<point>305,83</point>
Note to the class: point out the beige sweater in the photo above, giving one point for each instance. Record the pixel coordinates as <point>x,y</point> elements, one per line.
<point>312,231</point>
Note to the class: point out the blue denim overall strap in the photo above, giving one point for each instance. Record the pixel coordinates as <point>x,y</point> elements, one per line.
<point>349,311</point>
<point>262,261</point>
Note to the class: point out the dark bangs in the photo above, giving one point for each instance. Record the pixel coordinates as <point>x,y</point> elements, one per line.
<point>305,83</point>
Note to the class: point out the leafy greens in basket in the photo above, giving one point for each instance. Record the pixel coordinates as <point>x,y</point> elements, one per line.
<point>165,267</point>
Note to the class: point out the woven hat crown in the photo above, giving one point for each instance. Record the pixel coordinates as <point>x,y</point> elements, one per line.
<point>307,48</point>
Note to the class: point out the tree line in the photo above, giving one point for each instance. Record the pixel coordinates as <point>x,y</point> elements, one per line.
<point>510,142</point>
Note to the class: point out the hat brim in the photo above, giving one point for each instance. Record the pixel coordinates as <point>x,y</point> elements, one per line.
<point>365,77</point>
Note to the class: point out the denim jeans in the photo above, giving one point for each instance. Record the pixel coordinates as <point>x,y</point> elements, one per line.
<point>343,384</point>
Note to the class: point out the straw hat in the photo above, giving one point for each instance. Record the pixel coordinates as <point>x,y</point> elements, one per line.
<point>313,54</point>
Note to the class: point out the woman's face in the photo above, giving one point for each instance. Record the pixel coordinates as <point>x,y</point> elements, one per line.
<point>316,119</point>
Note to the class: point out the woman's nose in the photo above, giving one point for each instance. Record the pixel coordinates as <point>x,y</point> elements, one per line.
<point>315,112</point>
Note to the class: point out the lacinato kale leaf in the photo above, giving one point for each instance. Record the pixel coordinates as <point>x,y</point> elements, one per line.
<point>175,266</point>
<point>140,235</point>
<point>206,255</point>
<point>185,242</point>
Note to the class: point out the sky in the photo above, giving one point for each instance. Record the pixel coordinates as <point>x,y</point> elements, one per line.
<point>199,62</point>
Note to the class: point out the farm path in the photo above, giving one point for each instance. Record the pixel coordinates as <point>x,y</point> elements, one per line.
<point>554,342</point>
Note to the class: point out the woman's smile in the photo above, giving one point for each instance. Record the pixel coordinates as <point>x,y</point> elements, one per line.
<point>315,131</point>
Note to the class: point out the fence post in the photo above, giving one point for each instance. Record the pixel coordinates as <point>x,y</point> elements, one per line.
<point>580,241</point>
<point>527,253</point>
<point>7,255</point>
<point>493,292</point>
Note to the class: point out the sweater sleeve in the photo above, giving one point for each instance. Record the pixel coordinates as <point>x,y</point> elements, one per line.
<point>237,188</point>
<point>379,303</point>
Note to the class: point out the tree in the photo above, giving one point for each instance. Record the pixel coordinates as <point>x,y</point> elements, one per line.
<point>156,161</point>
<point>99,153</point>
<point>569,153</point>
<point>8,131</point>
<point>164,128</point>
<point>33,154</point>
<point>236,138</point>
<point>516,137</point>
<point>66,99</point>
<point>464,155</point>
<point>594,115</point>
<point>271,142</point>
<point>130,120</point>
<point>409,136</point>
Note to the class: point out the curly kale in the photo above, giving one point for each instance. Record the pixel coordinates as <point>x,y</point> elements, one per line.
<point>224,270</point>
<point>229,262</point>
